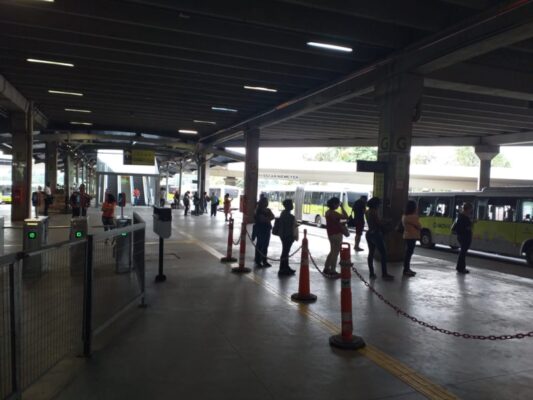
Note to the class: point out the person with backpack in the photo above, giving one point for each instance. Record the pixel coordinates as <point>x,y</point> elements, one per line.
<point>262,227</point>
<point>288,233</point>
<point>187,202</point>
<point>214,204</point>
<point>411,233</point>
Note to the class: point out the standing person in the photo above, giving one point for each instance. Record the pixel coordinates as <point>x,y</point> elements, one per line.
<point>136,195</point>
<point>463,229</point>
<point>214,204</point>
<point>85,200</point>
<point>227,205</point>
<point>263,216</point>
<point>187,202</point>
<point>48,199</point>
<point>196,203</point>
<point>411,233</point>
<point>75,200</point>
<point>335,231</point>
<point>374,238</point>
<point>36,200</point>
<point>288,233</point>
<point>177,199</point>
<point>108,212</point>
<point>162,195</point>
<point>358,211</point>
<point>205,200</point>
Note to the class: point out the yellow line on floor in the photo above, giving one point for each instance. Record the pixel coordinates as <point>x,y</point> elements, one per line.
<point>395,367</point>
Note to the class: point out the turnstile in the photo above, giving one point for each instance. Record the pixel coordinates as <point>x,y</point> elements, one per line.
<point>35,236</point>
<point>79,227</point>
<point>123,247</point>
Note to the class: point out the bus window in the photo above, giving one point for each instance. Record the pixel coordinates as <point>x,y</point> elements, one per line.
<point>316,198</point>
<point>459,201</point>
<point>482,210</point>
<point>443,207</point>
<point>501,209</point>
<point>425,206</point>
<point>526,209</point>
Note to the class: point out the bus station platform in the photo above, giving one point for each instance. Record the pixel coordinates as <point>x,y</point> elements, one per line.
<point>208,333</point>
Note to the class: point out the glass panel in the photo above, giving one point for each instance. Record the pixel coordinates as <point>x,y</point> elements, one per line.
<point>501,209</point>
<point>527,210</point>
<point>426,206</point>
<point>443,207</point>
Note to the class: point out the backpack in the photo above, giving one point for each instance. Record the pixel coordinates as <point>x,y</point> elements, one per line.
<point>276,227</point>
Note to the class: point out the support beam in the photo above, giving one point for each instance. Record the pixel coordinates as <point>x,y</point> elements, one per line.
<point>398,99</point>
<point>485,154</point>
<point>22,133</point>
<point>51,166</point>
<point>251,172</point>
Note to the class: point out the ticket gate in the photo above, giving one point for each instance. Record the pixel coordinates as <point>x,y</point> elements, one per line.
<point>79,227</point>
<point>35,236</point>
<point>123,247</point>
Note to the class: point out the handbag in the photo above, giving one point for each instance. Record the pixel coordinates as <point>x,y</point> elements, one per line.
<point>400,228</point>
<point>345,230</point>
<point>276,227</point>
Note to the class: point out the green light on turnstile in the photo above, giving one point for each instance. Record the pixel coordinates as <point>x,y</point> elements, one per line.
<point>78,234</point>
<point>124,234</point>
<point>32,235</point>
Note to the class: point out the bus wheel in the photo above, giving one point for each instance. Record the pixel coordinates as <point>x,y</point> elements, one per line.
<point>529,255</point>
<point>425,239</point>
<point>318,221</point>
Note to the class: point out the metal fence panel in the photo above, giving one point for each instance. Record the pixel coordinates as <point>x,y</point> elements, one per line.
<point>51,311</point>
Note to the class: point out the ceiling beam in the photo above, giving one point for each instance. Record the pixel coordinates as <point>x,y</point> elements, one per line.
<point>500,27</point>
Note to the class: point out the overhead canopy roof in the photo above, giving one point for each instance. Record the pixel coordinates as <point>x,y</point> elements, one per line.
<point>157,66</point>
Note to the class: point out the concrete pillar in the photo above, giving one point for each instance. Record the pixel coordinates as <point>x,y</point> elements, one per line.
<point>204,174</point>
<point>398,99</point>
<point>180,182</point>
<point>251,171</point>
<point>21,131</point>
<point>77,173</point>
<point>485,154</point>
<point>51,165</point>
<point>230,180</point>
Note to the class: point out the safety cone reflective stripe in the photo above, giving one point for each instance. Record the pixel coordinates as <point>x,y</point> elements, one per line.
<point>229,257</point>
<point>346,340</point>
<point>304,292</point>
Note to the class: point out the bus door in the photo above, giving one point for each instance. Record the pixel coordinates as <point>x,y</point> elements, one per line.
<point>442,221</point>
<point>495,225</point>
<point>524,229</point>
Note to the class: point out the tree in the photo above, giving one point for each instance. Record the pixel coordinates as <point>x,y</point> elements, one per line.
<point>423,159</point>
<point>348,154</point>
<point>466,157</point>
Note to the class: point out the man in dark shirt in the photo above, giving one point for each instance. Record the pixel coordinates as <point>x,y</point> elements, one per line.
<point>358,211</point>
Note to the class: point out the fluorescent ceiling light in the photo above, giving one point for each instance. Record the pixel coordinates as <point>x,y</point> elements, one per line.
<point>77,110</point>
<point>223,109</point>
<point>188,131</point>
<point>330,46</point>
<point>81,123</point>
<point>63,64</point>
<point>199,121</point>
<point>260,88</point>
<point>67,93</point>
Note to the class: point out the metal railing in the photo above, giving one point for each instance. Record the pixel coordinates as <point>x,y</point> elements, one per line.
<point>55,300</point>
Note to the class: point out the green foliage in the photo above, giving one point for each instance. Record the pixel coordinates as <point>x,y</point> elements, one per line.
<point>466,157</point>
<point>500,161</point>
<point>423,159</point>
<point>348,154</point>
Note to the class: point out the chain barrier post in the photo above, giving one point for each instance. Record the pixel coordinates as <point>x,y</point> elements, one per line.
<point>242,253</point>
<point>304,294</point>
<point>229,258</point>
<point>346,340</point>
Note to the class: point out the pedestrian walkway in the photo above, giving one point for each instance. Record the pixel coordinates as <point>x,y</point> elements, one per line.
<point>212,334</point>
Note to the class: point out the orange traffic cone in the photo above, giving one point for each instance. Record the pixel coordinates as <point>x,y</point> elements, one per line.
<point>346,340</point>
<point>304,292</point>
<point>242,254</point>
<point>229,257</point>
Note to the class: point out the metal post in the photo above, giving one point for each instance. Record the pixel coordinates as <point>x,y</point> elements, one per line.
<point>14,320</point>
<point>88,298</point>
<point>161,277</point>
<point>181,176</point>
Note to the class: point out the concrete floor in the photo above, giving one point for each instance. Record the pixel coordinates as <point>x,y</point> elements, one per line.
<point>209,333</point>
